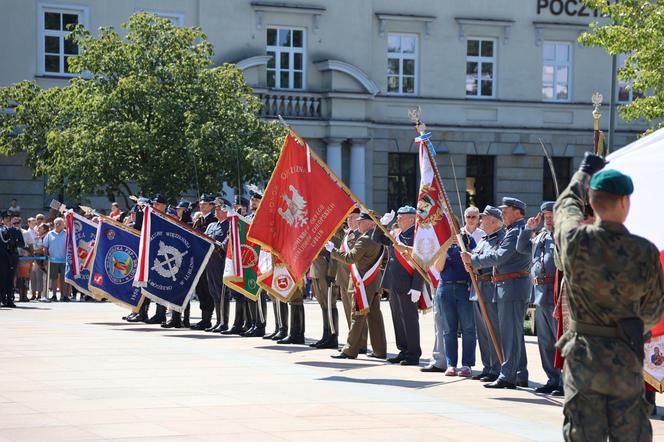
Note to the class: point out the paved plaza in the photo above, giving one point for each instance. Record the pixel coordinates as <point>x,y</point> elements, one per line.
<point>78,372</point>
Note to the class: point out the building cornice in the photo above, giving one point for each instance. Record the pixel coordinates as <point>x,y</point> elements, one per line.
<point>353,71</point>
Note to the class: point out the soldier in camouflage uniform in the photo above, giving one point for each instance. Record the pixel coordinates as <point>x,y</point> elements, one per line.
<point>615,292</point>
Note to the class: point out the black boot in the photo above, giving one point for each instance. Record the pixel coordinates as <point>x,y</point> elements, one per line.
<point>174,322</point>
<point>142,315</point>
<point>252,308</point>
<point>258,330</point>
<point>296,335</point>
<point>217,311</point>
<point>185,320</point>
<point>333,339</point>
<point>236,329</point>
<point>226,313</point>
<point>275,307</point>
<point>283,328</point>
<point>159,316</point>
<point>205,322</point>
<point>326,329</point>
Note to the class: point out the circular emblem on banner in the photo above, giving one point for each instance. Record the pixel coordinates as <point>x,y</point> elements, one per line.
<point>249,256</point>
<point>283,282</point>
<point>120,264</point>
<point>110,234</point>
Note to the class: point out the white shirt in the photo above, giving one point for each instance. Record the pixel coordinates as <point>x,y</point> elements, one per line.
<point>476,235</point>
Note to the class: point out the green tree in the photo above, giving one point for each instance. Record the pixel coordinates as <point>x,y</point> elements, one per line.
<point>635,28</point>
<point>147,108</point>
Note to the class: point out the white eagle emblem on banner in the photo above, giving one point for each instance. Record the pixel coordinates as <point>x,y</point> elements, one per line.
<point>295,213</point>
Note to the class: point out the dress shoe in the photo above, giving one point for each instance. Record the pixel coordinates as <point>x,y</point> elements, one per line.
<point>248,331</point>
<point>185,323</point>
<point>371,354</point>
<point>363,351</point>
<point>201,325</point>
<point>395,360</point>
<point>432,369</point>
<point>330,343</point>
<point>523,383</point>
<point>137,318</point>
<point>254,332</point>
<point>271,335</point>
<point>155,320</point>
<point>172,324</point>
<point>341,355</point>
<point>213,327</point>
<point>478,376</point>
<point>546,389</point>
<point>223,328</point>
<point>409,362</point>
<point>10,304</point>
<point>558,392</point>
<point>64,299</point>
<point>234,330</point>
<point>292,340</point>
<point>281,335</point>
<point>488,378</point>
<point>317,343</point>
<point>499,383</point>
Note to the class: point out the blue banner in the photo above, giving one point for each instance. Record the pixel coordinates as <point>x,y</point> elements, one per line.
<point>114,265</point>
<point>172,259</point>
<point>81,234</point>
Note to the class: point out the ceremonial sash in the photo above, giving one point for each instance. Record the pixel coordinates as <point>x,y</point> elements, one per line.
<point>425,302</point>
<point>360,283</point>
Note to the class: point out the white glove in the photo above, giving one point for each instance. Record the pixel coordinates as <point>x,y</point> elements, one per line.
<point>387,218</point>
<point>329,246</point>
<point>415,295</point>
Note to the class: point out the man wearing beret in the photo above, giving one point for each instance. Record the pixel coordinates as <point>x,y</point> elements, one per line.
<point>511,274</point>
<point>492,225</point>
<point>366,257</point>
<point>218,231</point>
<point>206,205</point>
<point>404,284</point>
<point>543,272</point>
<point>160,203</point>
<point>616,295</point>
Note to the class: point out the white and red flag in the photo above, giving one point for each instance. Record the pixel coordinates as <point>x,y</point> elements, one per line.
<point>302,207</point>
<point>643,161</point>
<point>275,278</point>
<point>433,224</point>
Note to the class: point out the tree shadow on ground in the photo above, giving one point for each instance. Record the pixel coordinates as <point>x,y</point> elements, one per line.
<point>541,400</point>
<point>288,348</point>
<point>337,365</point>
<point>403,383</point>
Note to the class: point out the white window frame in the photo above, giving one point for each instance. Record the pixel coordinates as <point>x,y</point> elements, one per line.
<point>177,18</point>
<point>278,50</point>
<point>83,14</point>
<point>479,59</point>
<point>622,58</point>
<point>568,64</point>
<point>401,57</point>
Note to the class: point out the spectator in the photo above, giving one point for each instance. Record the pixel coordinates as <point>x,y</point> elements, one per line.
<point>23,266</point>
<point>14,208</point>
<point>55,248</point>
<point>115,211</point>
<point>32,229</point>
<point>38,273</point>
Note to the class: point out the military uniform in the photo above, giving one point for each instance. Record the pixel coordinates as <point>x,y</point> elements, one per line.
<point>364,253</point>
<point>511,273</point>
<point>297,324</point>
<point>218,231</point>
<point>543,272</point>
<point>322,273</point>
<point>489,243</point>
<point>11,239</point>
<point>612,275</point>
<point>202,288</point>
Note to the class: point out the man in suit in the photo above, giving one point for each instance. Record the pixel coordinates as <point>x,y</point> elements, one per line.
<point>206,205</point>
<point>365,258</point>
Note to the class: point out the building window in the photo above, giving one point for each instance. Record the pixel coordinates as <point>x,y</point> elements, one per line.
<point>177,18</point>
<point>625,92</point>
<point>480,68</point>
<point>556,71</point>
<point>55,49</point>
<point>401,179</point>
<point>401,64</point>
<point>562,166</point>
<point>479,180</point>
<point>285,69</point>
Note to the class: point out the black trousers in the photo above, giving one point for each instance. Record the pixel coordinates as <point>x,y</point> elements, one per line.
<point>203,292</point>
<point>215,276</point>
<point>406,325</point>
<point>6,277</point>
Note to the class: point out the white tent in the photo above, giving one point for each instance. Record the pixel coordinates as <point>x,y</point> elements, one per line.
<point>643,161</point>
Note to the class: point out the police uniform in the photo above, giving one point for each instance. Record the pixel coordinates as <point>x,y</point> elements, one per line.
<point>399,279</point>
<point>218,231</point>
<point>11,239</point>
<point>202,288</point>
<point>488,243</point>
<point>322,273</point>
<point>364,253</point>
<point>160,315</point>
<point>616,293</point>
<point>543,272</point>
<point>511,273</point>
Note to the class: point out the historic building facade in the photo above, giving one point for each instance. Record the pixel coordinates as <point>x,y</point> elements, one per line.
<point>492,77</point>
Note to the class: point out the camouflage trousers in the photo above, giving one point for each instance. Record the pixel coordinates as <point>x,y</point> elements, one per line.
<point>604,393</point>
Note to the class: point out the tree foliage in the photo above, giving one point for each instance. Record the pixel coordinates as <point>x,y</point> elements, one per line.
<point>147,108</point>
<point>635,28</point>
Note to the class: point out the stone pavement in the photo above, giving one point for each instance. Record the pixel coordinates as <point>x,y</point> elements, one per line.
<point>76,371</point>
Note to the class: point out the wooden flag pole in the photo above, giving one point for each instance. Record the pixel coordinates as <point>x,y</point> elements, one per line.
<point>421,128</point>
<point>350,193</point>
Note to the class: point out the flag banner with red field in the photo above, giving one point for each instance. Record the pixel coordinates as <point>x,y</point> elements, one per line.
<point>433,231</point>
<point>643,161</point>
<point>301,209</point>
<point>80,241</point>
<point>275,278</point>
<point>241,270</point>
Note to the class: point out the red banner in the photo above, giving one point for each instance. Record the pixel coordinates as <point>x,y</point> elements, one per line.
<point>301,208</point>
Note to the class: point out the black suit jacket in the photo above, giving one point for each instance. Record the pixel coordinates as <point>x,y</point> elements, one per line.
<point>396,278</point>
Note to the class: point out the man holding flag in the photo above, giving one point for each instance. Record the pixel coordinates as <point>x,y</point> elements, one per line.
<point>206,204</point>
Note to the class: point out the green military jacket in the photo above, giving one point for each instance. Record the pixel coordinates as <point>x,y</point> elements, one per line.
<point>364,253</point>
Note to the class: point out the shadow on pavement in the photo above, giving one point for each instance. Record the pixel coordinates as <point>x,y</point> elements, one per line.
<point>542,400</point>
<point>389,382</point>
<point>198,336</point>
<point>143,329</point>
<point>23,307</point>
<point>337,365</point>
<point>288,348</point>
<point>108,323</point>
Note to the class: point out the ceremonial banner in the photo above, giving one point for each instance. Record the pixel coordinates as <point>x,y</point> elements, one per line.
<point>643,161</point>
<point>114,264</point>
<point>241,270</point>
<point>301,209</point>
<point>81,234</point>
<point>274,277</point>
<point>172,257</point>
<point>433,231</point>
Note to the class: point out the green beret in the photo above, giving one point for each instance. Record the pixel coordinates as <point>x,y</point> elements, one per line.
<point>612,181</point>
